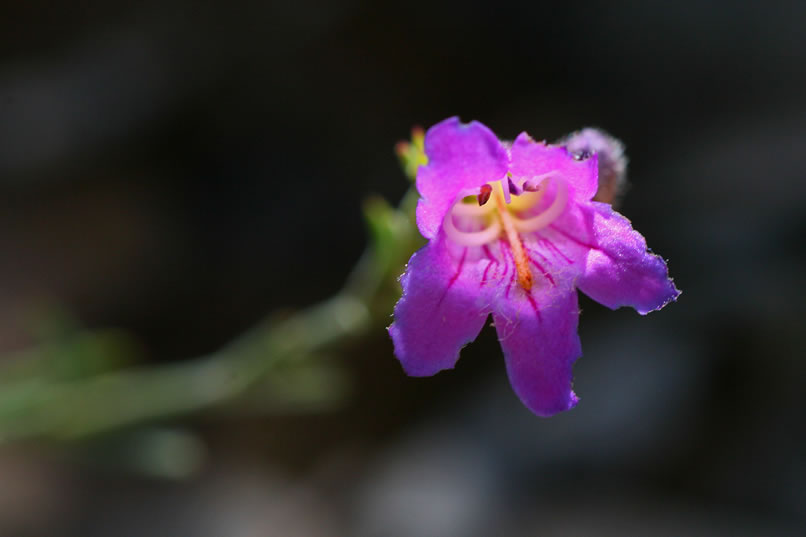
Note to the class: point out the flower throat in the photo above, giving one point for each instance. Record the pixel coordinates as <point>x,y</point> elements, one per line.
<point>501,216</point>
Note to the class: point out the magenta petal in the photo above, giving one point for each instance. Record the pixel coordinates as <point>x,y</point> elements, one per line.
<point>460,158</point>
<point>530,159</point>
<point>540,344</point>
<point>619,269</point>
<point>440,311</point>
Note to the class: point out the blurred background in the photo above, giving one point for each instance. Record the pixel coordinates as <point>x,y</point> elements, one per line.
<point>174,174</point>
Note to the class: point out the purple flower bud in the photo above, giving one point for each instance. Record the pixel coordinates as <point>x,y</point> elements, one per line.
<point>612,160</point>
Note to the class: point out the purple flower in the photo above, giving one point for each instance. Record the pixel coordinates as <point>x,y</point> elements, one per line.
<point>512,232</point>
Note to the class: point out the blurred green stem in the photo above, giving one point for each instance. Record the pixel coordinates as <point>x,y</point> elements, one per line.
<point>42,407</point>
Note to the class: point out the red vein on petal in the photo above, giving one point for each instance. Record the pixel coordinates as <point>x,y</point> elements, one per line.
<point>486,270</point>
<point>555,249</point>
<point>541,269</point>
<point>454,277</point>
<point>581,243</point>
<point>506,250</point>
<point>506,265</point>
<point>492,261</point>
<point>573,239</point>
<point>488,253</point>
<point>534,306</point>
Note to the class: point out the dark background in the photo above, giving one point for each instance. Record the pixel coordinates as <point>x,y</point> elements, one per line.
<point>180,169</point>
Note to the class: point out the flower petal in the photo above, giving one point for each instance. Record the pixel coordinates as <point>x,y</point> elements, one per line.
<point>460,158</point>
<point>530,159</point>
<point>441,310</point>
<point>540,343</point>
<point>619,270</point>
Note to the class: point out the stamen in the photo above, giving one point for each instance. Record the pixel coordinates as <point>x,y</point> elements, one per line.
<point>521,260</point>
<point>544,219</point>
<point>505,190</point>
<point>533,184</point>
<point>484,194</point>
<point>513,187</point>
<point>470,238</point>
<point>530,185</point>
<point>505,219</point>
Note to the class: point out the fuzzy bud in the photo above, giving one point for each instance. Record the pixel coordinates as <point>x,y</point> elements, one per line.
<point>612,160</point>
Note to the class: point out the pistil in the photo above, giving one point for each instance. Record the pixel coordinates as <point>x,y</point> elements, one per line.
<point>518,253</point>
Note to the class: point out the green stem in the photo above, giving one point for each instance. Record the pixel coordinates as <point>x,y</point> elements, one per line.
<point>68,409</point>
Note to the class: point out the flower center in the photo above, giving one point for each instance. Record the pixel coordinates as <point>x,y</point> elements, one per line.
<point>503,209</point>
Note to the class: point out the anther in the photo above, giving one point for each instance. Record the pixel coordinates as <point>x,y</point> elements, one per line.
<point>551,213</point>
<point>484,194</point>
<point>532,185</point>
<point>513,188</point>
